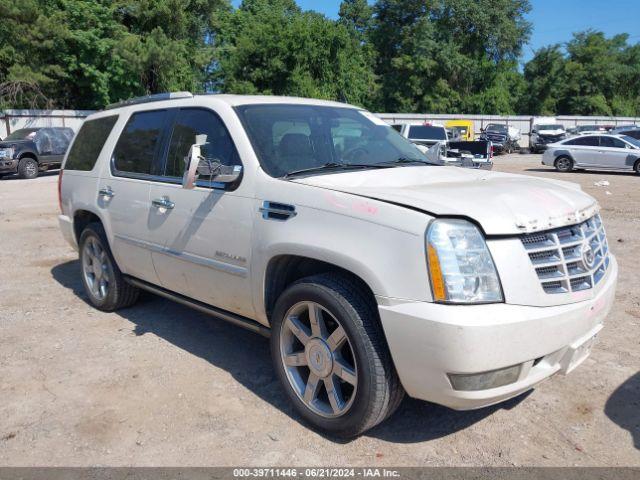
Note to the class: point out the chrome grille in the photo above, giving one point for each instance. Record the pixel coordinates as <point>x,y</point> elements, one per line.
<point>560,258</point>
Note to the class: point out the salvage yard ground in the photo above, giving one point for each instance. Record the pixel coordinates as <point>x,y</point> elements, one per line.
<point>160,384</point>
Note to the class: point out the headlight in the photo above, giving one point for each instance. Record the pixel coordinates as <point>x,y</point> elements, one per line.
<point>6,152</point>
<point>460,265</point>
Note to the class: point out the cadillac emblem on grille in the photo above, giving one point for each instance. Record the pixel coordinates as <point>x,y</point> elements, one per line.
<point>571,258</point>
<point>588,257</point>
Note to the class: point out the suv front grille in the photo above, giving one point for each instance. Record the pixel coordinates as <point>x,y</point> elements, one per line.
<point>569,259</point>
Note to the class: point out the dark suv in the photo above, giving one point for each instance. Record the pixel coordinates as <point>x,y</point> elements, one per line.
<point>31,150</point>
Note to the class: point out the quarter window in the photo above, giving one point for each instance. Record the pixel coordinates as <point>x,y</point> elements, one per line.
<point>89,142</point>
<point>139,143</point>
<point>196,121</point>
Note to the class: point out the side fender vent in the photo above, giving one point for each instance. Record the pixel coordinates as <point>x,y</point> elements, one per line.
<point>277,211</point>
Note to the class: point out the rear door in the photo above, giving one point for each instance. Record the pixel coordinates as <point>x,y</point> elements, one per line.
<point>585,150</point>
<point>123,192</point>
<point>613,153</point>
<point>205,232</point>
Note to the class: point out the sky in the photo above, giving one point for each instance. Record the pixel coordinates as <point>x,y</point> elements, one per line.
<point>553,20</point>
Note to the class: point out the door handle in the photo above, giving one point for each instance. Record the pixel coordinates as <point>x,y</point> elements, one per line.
<point>163,202</point>
<point>106,192</point>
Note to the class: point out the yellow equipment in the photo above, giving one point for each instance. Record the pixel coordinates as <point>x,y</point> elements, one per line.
<point>462,129</point>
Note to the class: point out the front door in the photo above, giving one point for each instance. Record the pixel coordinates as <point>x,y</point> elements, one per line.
<point>613,153</point>
<point>205,232</point>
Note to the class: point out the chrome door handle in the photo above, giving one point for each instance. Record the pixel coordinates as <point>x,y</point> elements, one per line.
<point>163,202</point>
<point>106,192</point>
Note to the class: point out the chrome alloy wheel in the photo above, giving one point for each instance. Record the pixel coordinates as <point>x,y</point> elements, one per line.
<point>31,169</point>
<point>96,268</point>
<point>564,163</point>
<point>318,359</point>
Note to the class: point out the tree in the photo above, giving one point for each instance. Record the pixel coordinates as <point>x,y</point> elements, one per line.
<point>86,54</point>
<point>448,55</point>
<point>272,47</point>
<point>544,75</point>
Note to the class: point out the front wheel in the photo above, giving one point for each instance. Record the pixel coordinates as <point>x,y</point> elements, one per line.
<point>28,168</point>
<point>563,164</point>
<point>331,357</point>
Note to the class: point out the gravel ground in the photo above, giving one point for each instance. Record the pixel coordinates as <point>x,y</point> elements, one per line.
<point>159,384</point>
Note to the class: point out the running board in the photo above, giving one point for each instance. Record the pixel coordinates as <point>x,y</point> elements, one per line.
<point>238,320</point>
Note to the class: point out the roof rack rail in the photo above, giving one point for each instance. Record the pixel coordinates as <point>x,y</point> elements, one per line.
<point>150,98</point>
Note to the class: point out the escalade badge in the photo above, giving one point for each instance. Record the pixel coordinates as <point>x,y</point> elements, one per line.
<point>588,256</point>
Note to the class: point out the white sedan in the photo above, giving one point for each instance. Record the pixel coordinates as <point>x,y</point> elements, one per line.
<point>601,152</point>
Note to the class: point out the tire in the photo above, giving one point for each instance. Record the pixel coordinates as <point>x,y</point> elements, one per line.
<point>563,164</point>
<point>368,387</point>
<point>636,167</point>
<point>28,168</point>
<point>117,293</point>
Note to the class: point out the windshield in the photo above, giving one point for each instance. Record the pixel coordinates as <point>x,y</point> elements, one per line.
<point>550,127</point>
<point>290,138</point>
<point>493,127</point>
<point>22,134</point>
<point>427,132</point>
<point>633,141</point>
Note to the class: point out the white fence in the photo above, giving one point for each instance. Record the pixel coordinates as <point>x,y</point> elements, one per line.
<point>11,120</point>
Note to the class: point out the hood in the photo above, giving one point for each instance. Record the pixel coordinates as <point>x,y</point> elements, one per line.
<point>503,204</point>
<point>13,143</point>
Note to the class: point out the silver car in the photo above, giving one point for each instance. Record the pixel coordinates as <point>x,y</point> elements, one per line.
<point>601,152</point>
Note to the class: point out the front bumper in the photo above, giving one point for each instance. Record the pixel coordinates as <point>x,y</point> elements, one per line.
<point>8,165</point>
<point>428,341</point>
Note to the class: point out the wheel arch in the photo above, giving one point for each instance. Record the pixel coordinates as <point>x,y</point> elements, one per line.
<point>283,270</point>
<point>29,154</point>
<point>82,218</point>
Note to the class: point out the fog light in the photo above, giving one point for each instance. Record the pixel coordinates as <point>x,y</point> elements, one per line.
<point>485,380</point>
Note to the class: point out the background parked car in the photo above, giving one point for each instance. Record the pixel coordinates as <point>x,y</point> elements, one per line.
<point>602,152</point>
<point>461,130</point>
<point>545,130</point>
<point>633,132</point>
<point>28,151</point>
<point>503,138</point>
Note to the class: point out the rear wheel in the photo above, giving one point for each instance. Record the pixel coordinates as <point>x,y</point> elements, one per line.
<point>637,167</point>
<point>563,164</point>
<point>331,357</point>
<point>103,281</point>
<point>28,168</point>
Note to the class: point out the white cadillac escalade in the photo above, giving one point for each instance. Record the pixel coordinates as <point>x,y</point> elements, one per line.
<point>373,272</point>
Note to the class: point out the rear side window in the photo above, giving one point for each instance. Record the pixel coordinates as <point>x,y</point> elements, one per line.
<point>139,142</point>
<point>435,133</point>
<point>89,142</point>
<point>584,141</point>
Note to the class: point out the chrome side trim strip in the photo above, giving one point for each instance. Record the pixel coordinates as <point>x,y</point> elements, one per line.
<point>187,257</point>
<point>238,320</point>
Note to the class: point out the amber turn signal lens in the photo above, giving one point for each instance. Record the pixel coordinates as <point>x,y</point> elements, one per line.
<point>437,282</point>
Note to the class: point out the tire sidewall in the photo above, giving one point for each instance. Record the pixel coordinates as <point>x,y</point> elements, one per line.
<point>96,232</point>
<point>346,315</point>
<point>22,168</point>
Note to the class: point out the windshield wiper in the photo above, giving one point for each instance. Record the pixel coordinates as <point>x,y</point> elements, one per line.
<point>404,161</point>
<point>334,166</point>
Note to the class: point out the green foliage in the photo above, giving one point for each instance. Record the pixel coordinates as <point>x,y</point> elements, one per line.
<point>594,75</point>
<point>272,47</point>
<point>440,56</point>
<point>86,53</point>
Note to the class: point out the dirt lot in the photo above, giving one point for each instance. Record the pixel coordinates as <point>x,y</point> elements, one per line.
<point>159,384</point>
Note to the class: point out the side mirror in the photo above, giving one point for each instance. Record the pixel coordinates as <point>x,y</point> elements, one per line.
<point>534,131</point>
<point>192,161</point>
